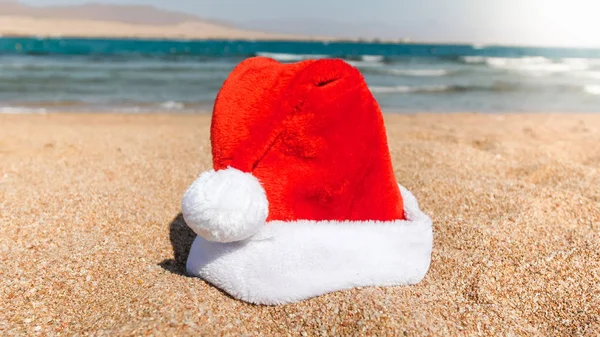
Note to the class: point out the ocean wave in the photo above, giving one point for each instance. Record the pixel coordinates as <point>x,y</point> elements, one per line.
<point>417,72</point>
<point>283,57</point>
<point>535,65</point>
<point>14,66</point>
<point>364,65</point>
<point>117,65</point>
<point>589,74</point>
<point>502,61</point>
<point>498,87</point>
<point>582,62</point>
<point>592,89</point>
<point>129,110</point>
<point>404,89</point>
<point>372,58</point>
<point>172,105</point>
<point>15,110</point>
<point>474,59</point>
<point>357,61</point>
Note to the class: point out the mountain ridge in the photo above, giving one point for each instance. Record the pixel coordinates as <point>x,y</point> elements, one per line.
<point>145,14</point>
<point>121,21</point>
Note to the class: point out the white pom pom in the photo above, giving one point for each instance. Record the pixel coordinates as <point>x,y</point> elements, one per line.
<point>225,206</point>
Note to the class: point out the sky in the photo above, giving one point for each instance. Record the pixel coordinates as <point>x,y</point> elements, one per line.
<point>530,22</point>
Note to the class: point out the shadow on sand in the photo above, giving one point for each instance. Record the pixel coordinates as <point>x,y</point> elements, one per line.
<point>181,237</point>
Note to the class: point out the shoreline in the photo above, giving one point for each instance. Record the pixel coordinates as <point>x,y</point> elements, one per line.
<point>275,38</point>
<point>385,112</point>
<point>292,39</point>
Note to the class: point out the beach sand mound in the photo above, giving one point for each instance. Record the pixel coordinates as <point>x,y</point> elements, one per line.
<point>91,240</point>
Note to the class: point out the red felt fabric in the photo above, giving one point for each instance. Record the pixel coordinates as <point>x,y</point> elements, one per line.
<point>312,133</point>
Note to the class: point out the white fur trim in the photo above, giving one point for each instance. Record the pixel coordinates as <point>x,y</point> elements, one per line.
<point>291,261</point>
<point>225,206</point>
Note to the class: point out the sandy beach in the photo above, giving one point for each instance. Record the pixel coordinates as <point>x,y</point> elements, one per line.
<point>91,241</point>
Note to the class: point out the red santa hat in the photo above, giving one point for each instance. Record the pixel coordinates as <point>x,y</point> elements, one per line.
<point>302,199</point>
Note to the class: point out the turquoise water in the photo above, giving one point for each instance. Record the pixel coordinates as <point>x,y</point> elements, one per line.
<point>45,75</point>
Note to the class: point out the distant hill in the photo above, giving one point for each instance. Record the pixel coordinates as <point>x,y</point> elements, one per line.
<point>105,20</point>
<point>312,27</point>
<point>135,14</point>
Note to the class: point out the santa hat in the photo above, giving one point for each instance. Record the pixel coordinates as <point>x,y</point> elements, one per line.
<point>302,199</point>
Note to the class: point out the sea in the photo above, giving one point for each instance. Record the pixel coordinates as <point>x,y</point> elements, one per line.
<point>45,75</point>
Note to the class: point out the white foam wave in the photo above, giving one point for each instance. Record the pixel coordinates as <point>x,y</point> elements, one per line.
<point>13,66</point>
<point>592,89</point>
<point>372,58</point>
<point>589,74</point>
<point>363,64</point>
<point>418,72</point>
<point>129,110</point>
<point>474,59</point>
<point>12,110</point>
<point>517,60</point>
<point>533,65</point>
<point>172,105</point>
<point>283,57</point>
<point>582,62</point>
<point>506,61</point>
<point>403,89</point>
